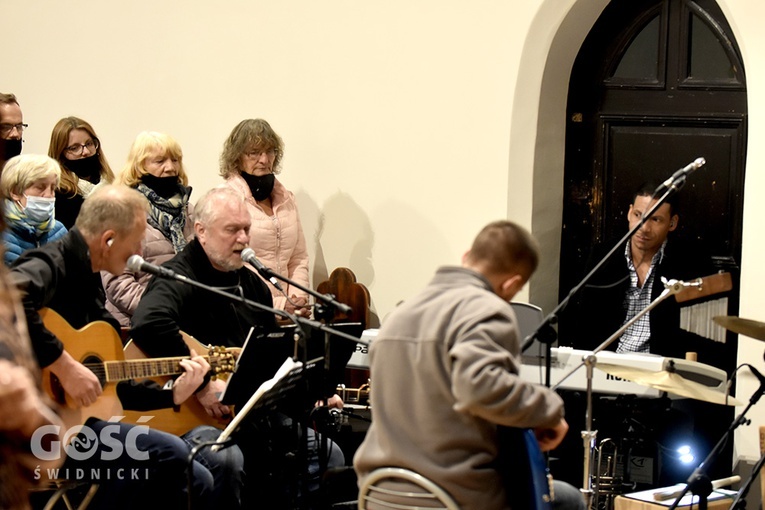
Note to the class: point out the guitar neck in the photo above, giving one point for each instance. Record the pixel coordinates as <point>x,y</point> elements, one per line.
<point>139,369</point>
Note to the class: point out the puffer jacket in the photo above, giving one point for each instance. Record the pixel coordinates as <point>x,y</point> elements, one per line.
<point>18,239</point>
<point>278,241</point>
<point>123,292</point>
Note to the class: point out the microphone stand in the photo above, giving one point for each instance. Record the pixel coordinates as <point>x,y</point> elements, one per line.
<point>300,334</point>
<point>671,287</point>
<point>327,299</point>
<point>699,482</point>
<point>546,334</point>
<point>324,311</point>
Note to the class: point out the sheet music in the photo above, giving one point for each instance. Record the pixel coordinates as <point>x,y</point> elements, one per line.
<point>688,499</point>
<point>288,365</point>
<point>236,365</point>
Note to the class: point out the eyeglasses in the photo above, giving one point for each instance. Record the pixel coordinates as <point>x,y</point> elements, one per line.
<point>77,148</point>
<point>255,153</point>
<point>6,129</point>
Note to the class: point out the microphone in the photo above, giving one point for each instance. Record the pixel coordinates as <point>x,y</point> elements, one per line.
<point>678,176</point>
<point>248,255</point>
<point>136,263</point>
<point>758,375</point>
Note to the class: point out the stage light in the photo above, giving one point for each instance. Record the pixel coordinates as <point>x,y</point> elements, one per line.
<point>685,454</point>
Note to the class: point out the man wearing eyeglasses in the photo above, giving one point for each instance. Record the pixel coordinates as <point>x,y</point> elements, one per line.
<point>11,127</point>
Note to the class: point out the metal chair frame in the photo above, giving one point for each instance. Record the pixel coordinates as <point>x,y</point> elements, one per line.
<point>371,493</point>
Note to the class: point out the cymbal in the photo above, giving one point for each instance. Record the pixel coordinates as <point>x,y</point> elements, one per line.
<point>746,327</point>
<point>670,382</point>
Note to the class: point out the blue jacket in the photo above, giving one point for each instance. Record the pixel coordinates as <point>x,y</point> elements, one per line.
<point>18,239</point>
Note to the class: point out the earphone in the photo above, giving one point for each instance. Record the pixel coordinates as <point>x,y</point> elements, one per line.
<point>109,242</point>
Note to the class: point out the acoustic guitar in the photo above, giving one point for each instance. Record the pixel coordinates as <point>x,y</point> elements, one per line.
<point>99,347</point>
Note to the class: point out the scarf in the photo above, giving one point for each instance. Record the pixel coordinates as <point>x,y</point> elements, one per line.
<point>168,214</point>
<point>17,219</point>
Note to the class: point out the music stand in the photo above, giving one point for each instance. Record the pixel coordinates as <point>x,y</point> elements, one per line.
<point>263,354</point>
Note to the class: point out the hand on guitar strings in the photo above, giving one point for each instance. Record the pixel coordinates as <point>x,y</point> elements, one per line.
<point>191,379</point>
<point>78,381</point>
<point>210,400</point>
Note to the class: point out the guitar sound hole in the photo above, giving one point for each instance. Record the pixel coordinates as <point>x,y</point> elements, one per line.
<point>92,362</point>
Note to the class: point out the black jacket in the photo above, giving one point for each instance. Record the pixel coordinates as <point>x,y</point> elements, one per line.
<point>599,311</point>
<point>168,307</point>
<point>59,275</point>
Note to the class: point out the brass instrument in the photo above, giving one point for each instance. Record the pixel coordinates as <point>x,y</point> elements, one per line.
<point>607,484</point>
<point>358,396</point>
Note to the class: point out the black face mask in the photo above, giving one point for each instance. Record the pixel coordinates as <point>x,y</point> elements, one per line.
<point>165,187</point>
<point>261,186</point>
<point>86,168</point>
<point>10,149</point>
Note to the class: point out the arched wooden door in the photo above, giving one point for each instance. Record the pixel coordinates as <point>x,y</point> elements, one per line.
<point>656,84</point>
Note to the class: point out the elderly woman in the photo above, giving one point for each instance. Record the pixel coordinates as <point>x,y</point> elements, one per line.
<point>251,157</point>
<point>74,144</point>
<point>29,182</point>
<point>155,168</point>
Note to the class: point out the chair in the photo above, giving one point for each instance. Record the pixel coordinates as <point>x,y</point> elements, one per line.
<point>343,285</point>
<point>402,489</point>
<point>529,317</point>
<point>65,491</point>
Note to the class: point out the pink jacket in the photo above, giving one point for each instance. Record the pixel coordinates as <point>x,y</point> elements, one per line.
<point>123,292</point>
<point>278,241</point>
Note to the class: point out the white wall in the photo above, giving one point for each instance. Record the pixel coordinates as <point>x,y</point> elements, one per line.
<point>408,125</point>
<point>395,115</point>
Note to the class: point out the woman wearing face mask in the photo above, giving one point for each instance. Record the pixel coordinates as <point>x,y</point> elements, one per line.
<point>155,168</point>
<point>76,147</point>
<point>29,182</point>
<point>251,157</point>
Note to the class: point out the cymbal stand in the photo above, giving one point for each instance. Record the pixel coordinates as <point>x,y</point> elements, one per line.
<point>589,436</point>
<point>699,482</point>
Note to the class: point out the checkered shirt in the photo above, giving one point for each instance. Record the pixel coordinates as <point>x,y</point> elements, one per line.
<point>636,337</point>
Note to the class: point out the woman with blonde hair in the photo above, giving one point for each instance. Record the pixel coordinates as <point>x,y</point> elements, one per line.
<point>155,168</point>
<point>29,182</point>
<point>75,145</point>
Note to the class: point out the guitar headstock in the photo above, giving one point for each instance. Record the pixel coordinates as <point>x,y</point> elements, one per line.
<point>222,360</point>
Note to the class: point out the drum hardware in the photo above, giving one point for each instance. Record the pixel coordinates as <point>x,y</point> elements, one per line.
<point>671,287</point>
<point>746,327</point>
<point>671,382</point>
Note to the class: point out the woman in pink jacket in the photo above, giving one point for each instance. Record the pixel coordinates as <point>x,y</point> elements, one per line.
<point>251,157</point>
<point>155,168</point>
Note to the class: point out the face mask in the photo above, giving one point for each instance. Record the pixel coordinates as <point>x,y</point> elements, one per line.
<point>261,186</point>
<point>165,187</point>
<point>86,168</point>
<point>10,149</point>
<point>40,209</point>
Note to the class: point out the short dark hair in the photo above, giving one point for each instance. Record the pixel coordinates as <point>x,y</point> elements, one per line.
<point>506,247</point>
<point>647,189</point>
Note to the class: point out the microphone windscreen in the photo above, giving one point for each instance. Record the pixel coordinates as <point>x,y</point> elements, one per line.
<point>135,262</point>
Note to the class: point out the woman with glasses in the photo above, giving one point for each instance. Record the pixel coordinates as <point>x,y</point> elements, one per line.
<point>29,182</point>
<point>251,157</point>
<point>76,147</point>
<point>155,168</point>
